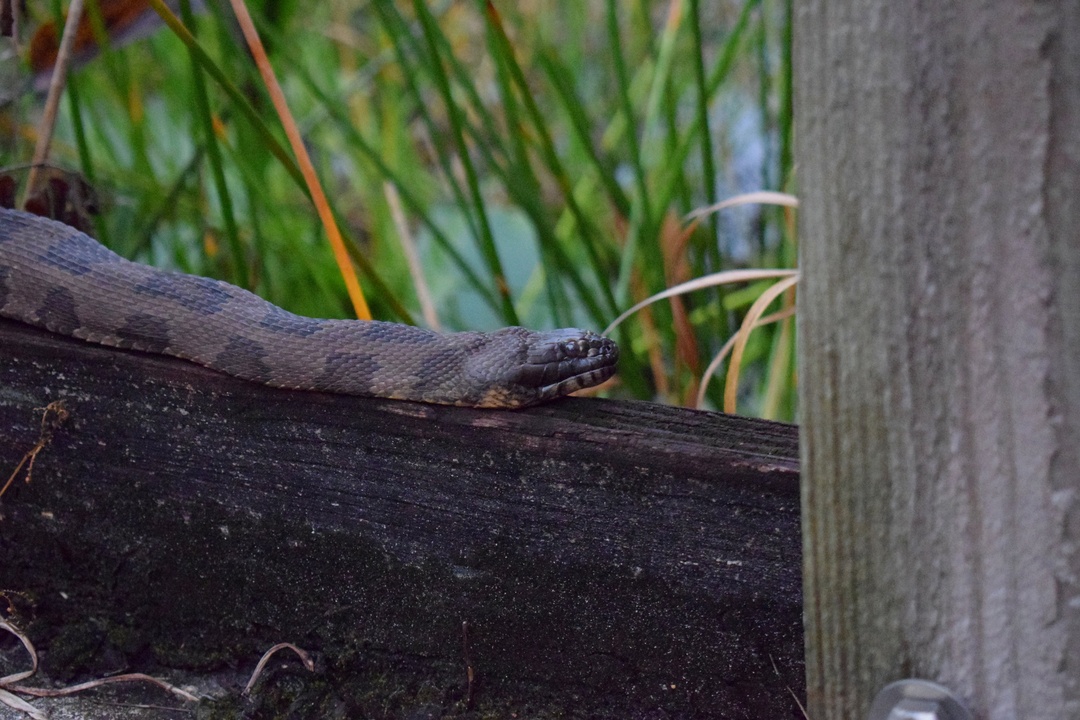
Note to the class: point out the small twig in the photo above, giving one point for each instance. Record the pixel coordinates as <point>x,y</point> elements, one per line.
<point>469,673</point>
<point>797,702</point>
<point>56,86</point>
<point>8,683</point>
<point>149,706</point>
<point>16,677</point>
<point>788,687</point>
<point>49,424</point>
<point>6,595</point>
<point>127,677</point>
<point>8,698</point>
<point>304,657</point>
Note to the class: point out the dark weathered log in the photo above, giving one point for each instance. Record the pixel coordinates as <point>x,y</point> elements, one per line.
<point>611,559</point>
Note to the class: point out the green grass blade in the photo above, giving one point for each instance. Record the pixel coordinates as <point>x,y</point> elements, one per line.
<point>626,108</point>
<point>202,111</point>
<point>486,239</point>
<point>661,76</point>
<point>402,39</point>
<point>507,62</point>
<point>720,71</point>
<point>86,163</point>
<point>559,77</point>
<point>787,95</point>
<point>641,221</point>
<point>232,91</point>
<point>408,197</point>
<point>701,107</point>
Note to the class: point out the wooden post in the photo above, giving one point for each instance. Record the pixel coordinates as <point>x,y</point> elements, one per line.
<point>939,312</point>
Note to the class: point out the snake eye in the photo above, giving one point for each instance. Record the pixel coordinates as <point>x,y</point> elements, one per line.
<point>576,349</point>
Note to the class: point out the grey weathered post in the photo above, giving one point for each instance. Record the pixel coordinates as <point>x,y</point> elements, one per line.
<point>939,169</point>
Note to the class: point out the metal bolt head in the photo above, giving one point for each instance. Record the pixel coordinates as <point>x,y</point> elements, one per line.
<point>917,700</point>
<point>908,709</point>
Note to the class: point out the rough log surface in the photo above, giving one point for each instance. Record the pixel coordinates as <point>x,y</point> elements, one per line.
<point>611,559</point>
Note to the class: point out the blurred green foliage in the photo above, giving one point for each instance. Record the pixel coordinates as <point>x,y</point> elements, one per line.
<point>544,152</point>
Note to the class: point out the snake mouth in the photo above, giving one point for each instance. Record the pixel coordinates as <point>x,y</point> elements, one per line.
<point>568,360</point>
<point>579,381</point>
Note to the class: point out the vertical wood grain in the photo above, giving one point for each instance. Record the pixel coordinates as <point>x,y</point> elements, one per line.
<point>938,154</point>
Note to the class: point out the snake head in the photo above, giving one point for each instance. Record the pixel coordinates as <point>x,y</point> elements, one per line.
<point>549,364</point>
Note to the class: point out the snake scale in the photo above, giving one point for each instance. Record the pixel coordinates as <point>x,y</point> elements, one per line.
<point>55,277</point>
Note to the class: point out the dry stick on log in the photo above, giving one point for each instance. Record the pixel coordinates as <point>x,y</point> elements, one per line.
<point>52,417</point>
<point>52,101</point>
<point>608,557</point>
<point>305,658</point>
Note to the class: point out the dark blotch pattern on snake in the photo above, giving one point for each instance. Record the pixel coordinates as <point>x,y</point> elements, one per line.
<point>55,277</point>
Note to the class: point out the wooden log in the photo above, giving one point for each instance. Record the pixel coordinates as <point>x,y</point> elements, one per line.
<point>610,559</point>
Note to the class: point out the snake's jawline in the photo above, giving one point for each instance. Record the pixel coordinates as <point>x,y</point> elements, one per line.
<point>55,277</point>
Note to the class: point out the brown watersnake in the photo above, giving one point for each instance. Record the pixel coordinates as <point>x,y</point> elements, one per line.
<point>54,277</point>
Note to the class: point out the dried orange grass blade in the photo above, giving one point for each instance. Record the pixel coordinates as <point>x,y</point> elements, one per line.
<point>720,278</point>
<point>731,387</point>
<point>711,370</point>
<point>412,257</point>
<point>787,279</point>
<point>674,240</point>
<point>8,682</point>
<point>778,378</point>
<point>8,698</point>
<point>305,658</point>
<point>763,197</point>
<point>20,676</point>
<point>652,343</point>
<point>21,705</point>
<point>341,255</point>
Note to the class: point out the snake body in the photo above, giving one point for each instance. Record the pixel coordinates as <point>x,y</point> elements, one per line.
<point>55,277</point>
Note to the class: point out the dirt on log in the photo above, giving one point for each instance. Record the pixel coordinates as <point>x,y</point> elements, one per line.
<point>586,558</point>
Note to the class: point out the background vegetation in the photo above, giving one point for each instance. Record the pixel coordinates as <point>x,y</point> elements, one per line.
<point>543,154</point>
